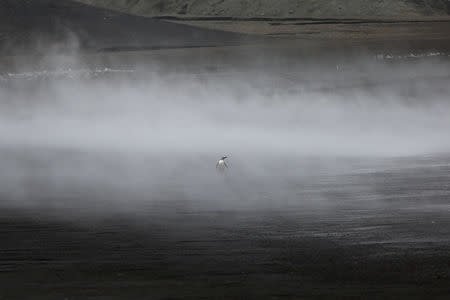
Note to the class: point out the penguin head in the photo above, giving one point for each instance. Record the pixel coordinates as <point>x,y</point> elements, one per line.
<point>223,157</point>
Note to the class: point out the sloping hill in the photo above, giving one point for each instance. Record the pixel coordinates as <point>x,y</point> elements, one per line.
<point>280,8</point>
<point>33,25</point>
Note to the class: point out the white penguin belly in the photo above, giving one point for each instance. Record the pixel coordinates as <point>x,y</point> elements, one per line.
<point>221,165</point>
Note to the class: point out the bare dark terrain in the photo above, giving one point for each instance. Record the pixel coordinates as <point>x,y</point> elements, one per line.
<point>362,9</point>
<point>42,26</point>
<point>111,125</point>
<point>382,233</point>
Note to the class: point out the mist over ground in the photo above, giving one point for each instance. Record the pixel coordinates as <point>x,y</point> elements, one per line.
<point>335,131</point>
<point>144,133</point>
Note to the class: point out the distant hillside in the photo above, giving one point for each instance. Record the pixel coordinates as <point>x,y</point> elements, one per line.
<point>37,25</point>
<point>280,8</point>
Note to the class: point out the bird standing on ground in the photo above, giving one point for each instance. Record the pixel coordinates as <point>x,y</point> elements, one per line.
<point>221,164</point>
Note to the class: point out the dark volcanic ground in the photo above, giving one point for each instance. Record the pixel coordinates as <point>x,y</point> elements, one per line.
<point>379,230</point>
<point>42,26</point>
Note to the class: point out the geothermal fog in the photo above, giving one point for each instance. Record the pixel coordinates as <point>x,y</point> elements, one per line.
<point>113,135</point>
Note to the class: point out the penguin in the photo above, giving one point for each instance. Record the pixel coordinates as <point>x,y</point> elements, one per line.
<point>221,164</point>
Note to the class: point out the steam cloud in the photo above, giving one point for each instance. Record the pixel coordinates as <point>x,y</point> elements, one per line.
<point>134,133</point>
